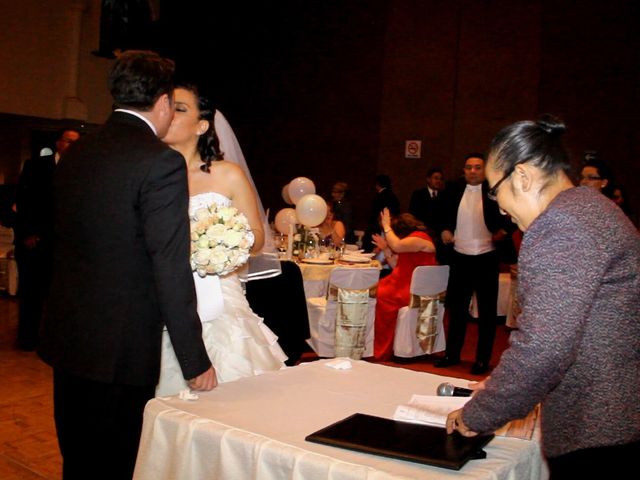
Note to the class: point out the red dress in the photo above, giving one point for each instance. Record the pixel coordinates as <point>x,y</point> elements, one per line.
<point>393,294</point>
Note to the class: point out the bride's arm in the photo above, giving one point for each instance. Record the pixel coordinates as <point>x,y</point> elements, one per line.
<point>244,199</point>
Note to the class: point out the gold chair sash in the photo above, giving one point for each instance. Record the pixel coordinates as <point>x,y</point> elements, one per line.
<point>351,319</point>
<point>427,318</point>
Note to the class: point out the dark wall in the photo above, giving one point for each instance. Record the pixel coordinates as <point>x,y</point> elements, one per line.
<point>332,89</point>
<point>299,81</point>
<point>456,72</point>
<point>590,76</point>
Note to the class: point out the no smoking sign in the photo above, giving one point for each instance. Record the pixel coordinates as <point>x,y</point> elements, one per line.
<point>412,148</point>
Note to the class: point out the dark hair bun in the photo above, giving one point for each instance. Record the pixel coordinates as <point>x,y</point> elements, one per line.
<point>552,125</point>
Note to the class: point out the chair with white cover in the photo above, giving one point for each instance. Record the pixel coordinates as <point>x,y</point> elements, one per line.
<point>419,329</point>
<point>342,323</point>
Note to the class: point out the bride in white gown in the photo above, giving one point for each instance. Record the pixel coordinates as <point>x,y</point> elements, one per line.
<point>238,342</point>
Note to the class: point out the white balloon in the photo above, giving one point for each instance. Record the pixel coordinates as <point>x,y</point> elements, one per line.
<point>285,195</point>
<point>311,210</point>
<point>299,187</point>
<point>284,218</point>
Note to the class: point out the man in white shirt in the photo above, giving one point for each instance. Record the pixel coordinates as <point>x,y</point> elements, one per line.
<point>472,225</point>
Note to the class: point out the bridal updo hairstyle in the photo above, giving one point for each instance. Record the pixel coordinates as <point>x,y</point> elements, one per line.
<point>536,142</point>
<point>208,142</point>
<point>138,78</point>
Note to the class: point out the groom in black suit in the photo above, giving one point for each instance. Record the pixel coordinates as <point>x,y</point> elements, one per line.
<point>121,273</point>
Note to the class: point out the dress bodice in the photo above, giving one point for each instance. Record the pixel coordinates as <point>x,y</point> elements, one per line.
<point>202,200</point>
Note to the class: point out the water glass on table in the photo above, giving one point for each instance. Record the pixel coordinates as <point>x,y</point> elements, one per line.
<point>280,242</point>
<point>336,250</point>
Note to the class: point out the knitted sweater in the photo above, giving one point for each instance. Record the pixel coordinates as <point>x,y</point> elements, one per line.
<point>577,349</point>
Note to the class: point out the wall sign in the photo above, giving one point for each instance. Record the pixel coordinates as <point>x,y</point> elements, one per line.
<point>412,148</point>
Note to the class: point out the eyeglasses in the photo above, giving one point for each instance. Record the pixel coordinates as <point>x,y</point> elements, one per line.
<point>492,193</point>
<point>589,177</point>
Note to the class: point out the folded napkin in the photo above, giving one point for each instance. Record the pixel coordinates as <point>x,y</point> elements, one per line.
<point>187,395</point>
<point>339,364</point>
<point>350,257</point>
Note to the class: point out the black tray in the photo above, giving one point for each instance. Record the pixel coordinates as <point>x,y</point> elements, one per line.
<point>406,441</point>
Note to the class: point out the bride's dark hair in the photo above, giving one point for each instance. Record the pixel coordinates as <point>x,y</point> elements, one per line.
<point>208,142</point>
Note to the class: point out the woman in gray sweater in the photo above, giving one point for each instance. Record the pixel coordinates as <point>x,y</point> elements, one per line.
<point>577,349</point>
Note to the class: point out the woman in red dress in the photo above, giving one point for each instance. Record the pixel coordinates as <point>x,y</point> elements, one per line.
<point>406,246</point>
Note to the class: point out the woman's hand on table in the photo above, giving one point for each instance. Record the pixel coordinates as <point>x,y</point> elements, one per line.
<point>455,422</point>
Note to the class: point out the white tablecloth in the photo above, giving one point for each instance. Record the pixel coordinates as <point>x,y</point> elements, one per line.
<point>254,428</point>
<point>315,278</point>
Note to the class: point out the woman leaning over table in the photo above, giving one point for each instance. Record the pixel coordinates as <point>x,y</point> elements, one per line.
<point>577,349</point>
<point>406,246</point>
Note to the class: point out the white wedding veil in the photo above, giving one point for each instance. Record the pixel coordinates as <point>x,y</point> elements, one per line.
<point>265,263</point>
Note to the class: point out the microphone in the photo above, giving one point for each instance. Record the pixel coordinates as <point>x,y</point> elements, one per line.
<point>448,390</point>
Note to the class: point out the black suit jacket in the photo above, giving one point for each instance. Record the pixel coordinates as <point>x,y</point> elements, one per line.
<point>121,259</point>
<point>493,219</point>
<point>34,200</point>
<point>425,208</point>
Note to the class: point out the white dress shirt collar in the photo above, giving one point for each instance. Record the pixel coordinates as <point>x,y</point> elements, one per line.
<point>141,117</point>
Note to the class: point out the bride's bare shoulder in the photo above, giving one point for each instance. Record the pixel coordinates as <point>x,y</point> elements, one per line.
<point>227,169</point>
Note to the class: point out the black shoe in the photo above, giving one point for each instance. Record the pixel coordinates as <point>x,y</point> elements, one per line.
<point>446,362</point>
<point>478,368</point>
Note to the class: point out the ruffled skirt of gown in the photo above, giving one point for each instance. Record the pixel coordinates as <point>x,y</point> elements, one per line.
<point>239,344</point>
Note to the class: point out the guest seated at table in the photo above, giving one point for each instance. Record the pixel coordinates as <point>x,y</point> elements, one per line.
<point>332,229</point>
<point>342,208</point>
<point>406,246</point>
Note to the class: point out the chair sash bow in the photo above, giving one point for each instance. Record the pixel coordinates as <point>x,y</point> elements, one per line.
<point>351,319</point>
<point>427,318</point>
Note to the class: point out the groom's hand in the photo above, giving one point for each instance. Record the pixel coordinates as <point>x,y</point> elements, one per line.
<point>205,381</point>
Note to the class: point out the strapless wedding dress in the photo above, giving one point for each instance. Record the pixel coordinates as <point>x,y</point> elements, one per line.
<point>239,344</point>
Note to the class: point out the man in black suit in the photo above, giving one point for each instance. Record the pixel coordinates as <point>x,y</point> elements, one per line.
<point>473,226</point>
<point>34,236</point>
<point>385,198</point>
<point>121,273</point>
<point>424,201</point>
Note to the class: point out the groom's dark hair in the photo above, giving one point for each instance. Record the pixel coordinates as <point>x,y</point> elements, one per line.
<point>138,78</point>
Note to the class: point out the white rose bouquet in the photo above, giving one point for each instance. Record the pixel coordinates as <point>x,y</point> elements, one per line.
<point>220,240</point>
